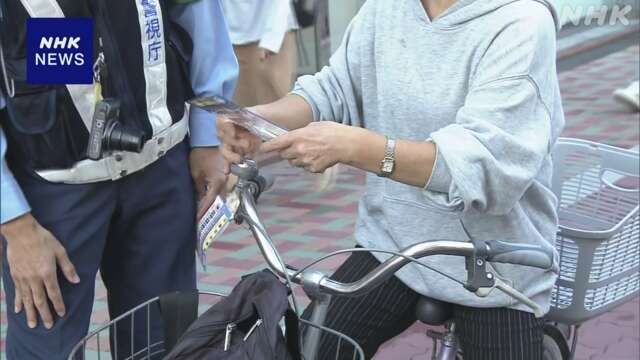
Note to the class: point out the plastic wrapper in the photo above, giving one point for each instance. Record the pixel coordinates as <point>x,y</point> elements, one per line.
<point>254,123</point>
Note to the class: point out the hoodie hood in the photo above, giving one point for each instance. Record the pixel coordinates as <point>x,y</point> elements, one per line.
<point>467,10</point>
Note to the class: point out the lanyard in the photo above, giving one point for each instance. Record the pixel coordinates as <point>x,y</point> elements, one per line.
<point>9,85</point>
<point>98,72</point>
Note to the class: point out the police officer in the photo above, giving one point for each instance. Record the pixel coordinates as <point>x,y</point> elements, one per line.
<point>130,210</point>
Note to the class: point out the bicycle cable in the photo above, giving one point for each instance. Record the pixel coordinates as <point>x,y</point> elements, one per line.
<point>339,252</point>
<point>308,266</point>
<point>372,250</point>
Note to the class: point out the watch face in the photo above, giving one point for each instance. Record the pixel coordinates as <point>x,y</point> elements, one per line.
<point>387,167</point>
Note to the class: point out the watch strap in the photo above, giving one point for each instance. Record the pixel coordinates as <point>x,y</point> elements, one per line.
<point>390,149</point>
<point>387,164</point>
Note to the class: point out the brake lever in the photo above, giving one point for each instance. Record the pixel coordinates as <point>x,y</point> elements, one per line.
<point>510,291</point>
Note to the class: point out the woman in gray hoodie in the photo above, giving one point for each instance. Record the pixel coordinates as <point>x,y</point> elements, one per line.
<point>462,99</point>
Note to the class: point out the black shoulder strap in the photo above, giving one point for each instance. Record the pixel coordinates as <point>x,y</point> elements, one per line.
<point>179,310</point>
<point>113,60</point>
<point>292,334</point>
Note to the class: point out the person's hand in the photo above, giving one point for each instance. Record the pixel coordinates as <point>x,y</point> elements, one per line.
<point>315,147</point>
<point>209,177</point>
<point>34,255</point>
<point>237,142</point>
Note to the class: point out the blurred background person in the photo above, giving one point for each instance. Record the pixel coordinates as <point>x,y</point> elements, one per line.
<point>264,40</point>
<point>629,96</point>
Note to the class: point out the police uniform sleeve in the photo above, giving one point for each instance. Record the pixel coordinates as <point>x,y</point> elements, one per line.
<point>12,200</point>
<point>213,68</point>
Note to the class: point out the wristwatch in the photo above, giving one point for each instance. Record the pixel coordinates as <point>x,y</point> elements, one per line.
<point>388,162</point>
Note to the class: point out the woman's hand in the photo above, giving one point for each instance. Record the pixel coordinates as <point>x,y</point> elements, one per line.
<point>317,146</point>
<point>237,142</point>
<point>320,145</point>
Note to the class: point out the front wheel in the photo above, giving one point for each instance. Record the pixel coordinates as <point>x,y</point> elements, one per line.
<point>554,344</point>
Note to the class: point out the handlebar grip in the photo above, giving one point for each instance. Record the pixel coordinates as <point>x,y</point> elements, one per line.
<point>520,254</point>
<point>265,182</point>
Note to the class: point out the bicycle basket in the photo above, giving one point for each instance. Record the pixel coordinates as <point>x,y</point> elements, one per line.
<point>102,343</point>
<point>598,240</point>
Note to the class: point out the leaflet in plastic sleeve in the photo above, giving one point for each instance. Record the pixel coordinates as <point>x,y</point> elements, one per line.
<point>256,124</point>
<point>214,222</point>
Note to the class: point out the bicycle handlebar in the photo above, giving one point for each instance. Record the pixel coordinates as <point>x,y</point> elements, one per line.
<point>479,281</point>
<point>497,251</point>
<point>388,268</point>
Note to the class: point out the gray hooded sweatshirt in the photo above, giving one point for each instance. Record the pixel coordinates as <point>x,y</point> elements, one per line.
<point>480,82</point>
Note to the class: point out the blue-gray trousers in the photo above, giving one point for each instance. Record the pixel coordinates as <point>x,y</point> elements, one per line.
<point>139,232</point>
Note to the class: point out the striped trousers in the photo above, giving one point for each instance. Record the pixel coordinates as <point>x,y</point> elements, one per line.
<point>371,320</point>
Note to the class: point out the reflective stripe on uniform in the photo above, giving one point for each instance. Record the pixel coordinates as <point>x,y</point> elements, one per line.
<point>84,99</point>
<point>155,69</point>
<point>82,95</point>
<point>121,163</point>
<point>42,8</point>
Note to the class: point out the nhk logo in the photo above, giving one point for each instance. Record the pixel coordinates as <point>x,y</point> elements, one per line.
<point>59,50</point>
<point>57,58</point>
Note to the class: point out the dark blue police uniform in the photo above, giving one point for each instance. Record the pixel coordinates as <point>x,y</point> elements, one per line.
<point>129,215</point>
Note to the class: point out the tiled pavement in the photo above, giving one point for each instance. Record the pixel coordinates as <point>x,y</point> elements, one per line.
<point>590,110</point>
<point>306,224</point>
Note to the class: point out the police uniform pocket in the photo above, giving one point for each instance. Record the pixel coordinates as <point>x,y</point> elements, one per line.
<point>45,130</point>
<point>26,112</point>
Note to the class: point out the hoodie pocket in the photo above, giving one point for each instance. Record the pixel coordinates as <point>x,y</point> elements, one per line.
<point>411,219</point>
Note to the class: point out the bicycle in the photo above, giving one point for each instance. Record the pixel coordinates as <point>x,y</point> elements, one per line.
<point>320,288</point>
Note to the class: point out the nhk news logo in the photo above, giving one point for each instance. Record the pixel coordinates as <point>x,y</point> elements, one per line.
<point>59,50</point>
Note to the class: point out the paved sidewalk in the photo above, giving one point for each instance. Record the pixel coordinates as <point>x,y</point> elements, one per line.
<point>307,224</point>
<point>591,113</point>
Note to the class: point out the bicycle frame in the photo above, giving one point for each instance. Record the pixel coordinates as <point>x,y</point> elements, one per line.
<point>320,288</point>
<point>309,280</point>
<point>448,342</point>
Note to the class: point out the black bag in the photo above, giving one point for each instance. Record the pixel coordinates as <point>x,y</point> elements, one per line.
<point>305,12</point>
<point>242,326</point>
